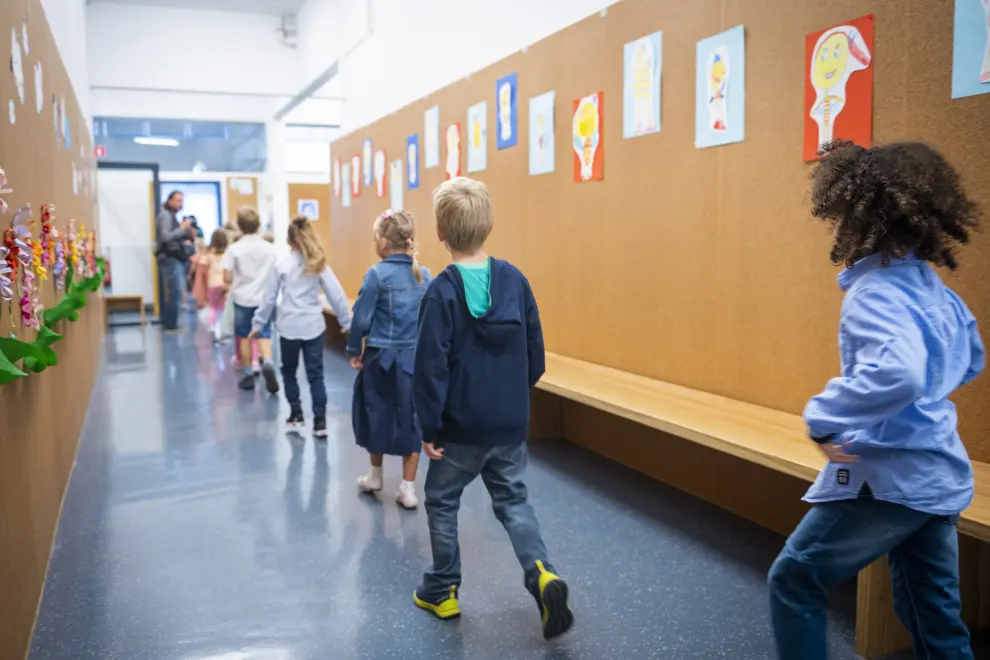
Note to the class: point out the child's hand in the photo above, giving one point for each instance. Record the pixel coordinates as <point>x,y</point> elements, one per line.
<point>434,453</point>
<point>836,453</point>
<point>357,363</point>
<point>253,335</point>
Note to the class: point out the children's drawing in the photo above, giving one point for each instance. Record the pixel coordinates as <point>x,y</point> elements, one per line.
<point>345,184</point>
<point>381,183</point>
<point>642,66</point>
<point>971,48</point>
<point>586,131</point>
<point>541,127</point>
<point>431,137</point>
<point>412,160</point>
<point>356,175</point>
<point>507,105</point>
<point>16,64</point>
<point>395,184</point>
<point>366,161</point>
<point>309,208</point>
<point>720,101</point>
<point>477,151</point>
<point>336,178</point>
<point>836,57</point>
<point>39,87</point>
<point>453,160</point>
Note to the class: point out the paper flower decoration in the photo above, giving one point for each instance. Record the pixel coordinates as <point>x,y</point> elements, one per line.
<point>4,190</point>
<point>58,259</point>
<point>46,243</point>
<point>6,290</point>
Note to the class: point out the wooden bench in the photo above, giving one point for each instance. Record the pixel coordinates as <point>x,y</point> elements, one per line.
<point>774,440</point>
<point>126,301</point>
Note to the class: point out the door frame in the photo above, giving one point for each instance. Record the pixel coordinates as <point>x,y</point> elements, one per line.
<point>156,202</point>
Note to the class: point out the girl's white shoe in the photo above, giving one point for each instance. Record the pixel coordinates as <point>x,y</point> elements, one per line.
<point>407,495</point>
<point>371,482</point>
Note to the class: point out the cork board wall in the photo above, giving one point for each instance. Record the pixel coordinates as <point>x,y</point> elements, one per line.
<point>41,416</point>
<point>241,191</point>
<point>700,267</point>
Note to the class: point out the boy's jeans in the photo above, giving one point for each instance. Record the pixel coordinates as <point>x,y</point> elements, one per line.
<point>838,539</point>
<point>501,469</point>
<point>312,353</point>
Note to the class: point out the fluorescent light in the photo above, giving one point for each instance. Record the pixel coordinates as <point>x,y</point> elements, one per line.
<point>157,141</point>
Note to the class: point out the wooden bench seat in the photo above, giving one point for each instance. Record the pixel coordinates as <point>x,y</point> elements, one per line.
<point>771,438</point>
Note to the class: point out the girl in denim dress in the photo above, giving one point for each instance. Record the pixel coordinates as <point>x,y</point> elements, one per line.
<point>381,347</point>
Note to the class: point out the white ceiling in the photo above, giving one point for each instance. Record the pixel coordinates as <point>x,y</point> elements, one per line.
<point>275,7</point>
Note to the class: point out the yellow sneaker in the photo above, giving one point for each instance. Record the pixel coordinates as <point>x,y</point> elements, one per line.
<point>557,616</point>
<point>444,608</point>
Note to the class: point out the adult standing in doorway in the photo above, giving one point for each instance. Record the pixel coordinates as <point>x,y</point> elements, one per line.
<point>172,236</point>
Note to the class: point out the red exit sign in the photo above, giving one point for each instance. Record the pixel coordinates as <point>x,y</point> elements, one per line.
<point>100,151</point>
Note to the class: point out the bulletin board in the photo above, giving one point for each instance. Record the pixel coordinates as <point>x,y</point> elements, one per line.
<point>42,415</point>
<point>241,191</point>
<point>312,191</point>
<point>700,267</point>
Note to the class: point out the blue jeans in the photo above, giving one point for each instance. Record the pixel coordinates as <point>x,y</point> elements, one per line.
<point>312,352</point>
<point>501,469</point>
<point>171,282</point>
<point>838,539</point>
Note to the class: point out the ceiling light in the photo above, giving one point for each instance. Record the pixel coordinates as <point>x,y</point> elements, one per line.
<point>157,141</point>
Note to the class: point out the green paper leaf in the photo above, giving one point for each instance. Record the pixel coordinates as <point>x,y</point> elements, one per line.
<point>8,371</point>
<point>15,349</point>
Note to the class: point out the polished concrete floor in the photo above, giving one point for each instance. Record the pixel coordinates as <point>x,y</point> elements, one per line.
<point>195,528</point>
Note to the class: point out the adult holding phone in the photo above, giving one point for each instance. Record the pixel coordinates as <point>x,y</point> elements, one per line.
<point>171,250</point>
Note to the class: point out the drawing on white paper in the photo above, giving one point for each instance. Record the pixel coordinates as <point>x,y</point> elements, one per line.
<point>17,64</point>
<point>396,185</point>
<point>477,158</point>
<point>431,137</point>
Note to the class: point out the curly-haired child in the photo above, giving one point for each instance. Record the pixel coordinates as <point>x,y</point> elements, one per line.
<point>898,475</point>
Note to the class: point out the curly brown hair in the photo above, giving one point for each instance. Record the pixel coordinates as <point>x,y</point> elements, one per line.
<point>892,200</point>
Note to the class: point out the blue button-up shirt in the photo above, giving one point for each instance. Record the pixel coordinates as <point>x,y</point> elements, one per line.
<point>906,341</point>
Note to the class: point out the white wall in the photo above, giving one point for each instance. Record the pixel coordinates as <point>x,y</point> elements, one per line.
<point>418,47</point>
<point>67,20</point>
<point>230,65</point>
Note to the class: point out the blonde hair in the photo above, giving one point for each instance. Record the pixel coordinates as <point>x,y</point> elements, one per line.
<point>398,230</point>
<point>248,220</point>
<point>303,237</point>
<point>463,209</point>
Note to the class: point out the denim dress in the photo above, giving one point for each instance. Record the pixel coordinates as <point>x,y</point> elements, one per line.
<point>384,331</point>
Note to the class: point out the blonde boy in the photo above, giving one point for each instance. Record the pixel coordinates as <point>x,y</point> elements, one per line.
<point>478,354</point>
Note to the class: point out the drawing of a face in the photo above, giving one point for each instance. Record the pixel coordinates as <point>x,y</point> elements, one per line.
<point>839,53</point>
<point>453,165</point>
<point>586,135</point>
<point>413,165</point>
<point>505,110</point>
<point>379,168</point>
<point>830,61</point>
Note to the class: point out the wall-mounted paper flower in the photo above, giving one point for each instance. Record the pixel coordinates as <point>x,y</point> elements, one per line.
<point>6,288</point>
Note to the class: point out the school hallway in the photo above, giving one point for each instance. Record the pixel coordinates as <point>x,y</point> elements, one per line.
<point>196,528</point>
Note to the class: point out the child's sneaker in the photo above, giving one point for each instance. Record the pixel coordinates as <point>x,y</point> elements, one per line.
<point>371,482</point>
<point>557,616</point>
<point>444,608</point>
<point>268,371</point>
<point>407,495</point>
<point>246,382</point>
<point>320,427</point>
<point>295,419</point>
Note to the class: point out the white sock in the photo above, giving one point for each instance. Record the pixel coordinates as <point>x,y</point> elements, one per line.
<point>376,473</point>
<point>407,485</point>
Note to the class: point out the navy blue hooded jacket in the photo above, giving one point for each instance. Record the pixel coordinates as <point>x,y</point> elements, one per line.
<point>473,376</point>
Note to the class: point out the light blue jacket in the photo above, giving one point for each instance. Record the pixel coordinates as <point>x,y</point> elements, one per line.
<point>387,307</point>
<point>906,341</point>
<point>300,312</point>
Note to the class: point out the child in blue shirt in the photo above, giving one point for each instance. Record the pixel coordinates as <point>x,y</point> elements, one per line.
<point>898,475</point>
<point>381,347</point>
<point>478,354</point>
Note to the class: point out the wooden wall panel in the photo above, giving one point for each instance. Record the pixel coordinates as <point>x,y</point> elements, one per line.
<point>320,191</point>
<point>236,199</point>
<point>697,267</point>
<point>41,416</point>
